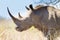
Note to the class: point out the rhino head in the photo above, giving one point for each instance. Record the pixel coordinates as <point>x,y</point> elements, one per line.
<point>33,19</point>
<point>21,24</point>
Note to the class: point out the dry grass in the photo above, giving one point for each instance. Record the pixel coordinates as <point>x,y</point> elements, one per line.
<point>8,32</point>
<point>31,34</point>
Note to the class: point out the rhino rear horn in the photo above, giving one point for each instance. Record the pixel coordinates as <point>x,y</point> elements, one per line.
<point>16,21</point>
<point>20,15</point>
<point>31,7</point>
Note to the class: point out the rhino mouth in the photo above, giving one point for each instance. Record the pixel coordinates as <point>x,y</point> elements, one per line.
<point>19,29</point>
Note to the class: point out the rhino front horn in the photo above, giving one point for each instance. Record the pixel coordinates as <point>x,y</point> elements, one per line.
<point>16,21</point>
<point>10,14</point>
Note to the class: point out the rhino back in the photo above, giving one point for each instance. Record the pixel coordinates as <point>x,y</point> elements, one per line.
<point>52,18</point>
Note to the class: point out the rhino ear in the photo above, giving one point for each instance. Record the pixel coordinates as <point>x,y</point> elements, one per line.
<point>16,21</point>
<point>27,8</point>
<point>31,7</point>
<point>20,15</point>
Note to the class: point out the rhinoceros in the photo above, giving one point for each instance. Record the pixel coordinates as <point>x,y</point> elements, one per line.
<point>44,18</point>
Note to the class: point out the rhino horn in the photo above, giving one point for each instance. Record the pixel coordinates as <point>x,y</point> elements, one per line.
<point>16,21</point>
<point>31,7</point>
<point>27,8</point>
<point>20,15</point>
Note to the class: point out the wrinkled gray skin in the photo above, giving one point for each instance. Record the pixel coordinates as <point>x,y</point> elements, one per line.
<point>44,18</point>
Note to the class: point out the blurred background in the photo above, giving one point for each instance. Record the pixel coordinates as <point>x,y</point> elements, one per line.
<point>16,6</point>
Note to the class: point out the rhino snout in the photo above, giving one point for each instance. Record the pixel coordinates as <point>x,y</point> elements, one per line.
<point>19,29</point>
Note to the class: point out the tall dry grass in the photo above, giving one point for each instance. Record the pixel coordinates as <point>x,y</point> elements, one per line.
<point>8,32</point>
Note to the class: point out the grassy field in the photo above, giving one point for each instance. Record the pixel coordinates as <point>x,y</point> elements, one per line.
<point>8,32</point>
